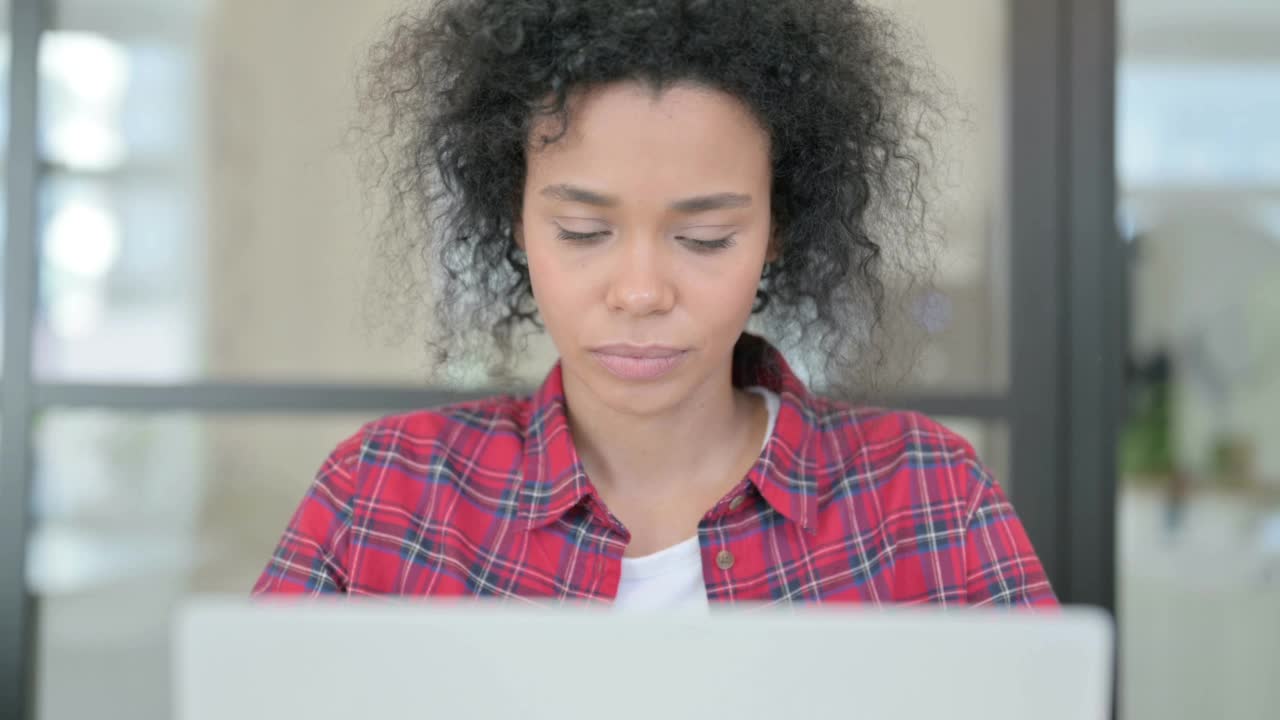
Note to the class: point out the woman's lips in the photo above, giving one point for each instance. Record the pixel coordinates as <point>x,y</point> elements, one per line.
<point>639,363</point>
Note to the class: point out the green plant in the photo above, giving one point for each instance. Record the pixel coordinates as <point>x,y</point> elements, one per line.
<point>1146,441</point>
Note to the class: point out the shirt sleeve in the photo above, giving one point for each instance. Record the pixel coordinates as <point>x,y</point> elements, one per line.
<point>1001,567</point>
<point>310,557</point>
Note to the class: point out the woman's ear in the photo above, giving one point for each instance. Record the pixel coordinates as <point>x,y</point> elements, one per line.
<point>775,246</point>
<point>517,233</point>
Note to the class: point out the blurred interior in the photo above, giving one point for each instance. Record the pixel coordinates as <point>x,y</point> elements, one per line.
<point>1198,146</point>
<point>201,219</point>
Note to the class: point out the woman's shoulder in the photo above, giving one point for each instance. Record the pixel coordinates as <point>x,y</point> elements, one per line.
<point>884,426</point>
<point>876,441</point>
<point>493,425</point>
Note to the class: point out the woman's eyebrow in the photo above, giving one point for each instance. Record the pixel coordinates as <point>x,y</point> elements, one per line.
<point>701,203</point>
<point>718,201</point>
<point>570,193</point>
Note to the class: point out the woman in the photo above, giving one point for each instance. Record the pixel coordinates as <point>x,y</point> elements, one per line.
<point>642,177</point>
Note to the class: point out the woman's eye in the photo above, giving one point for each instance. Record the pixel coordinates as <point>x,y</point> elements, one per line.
<point>579,237</point>
<point>707,245</point>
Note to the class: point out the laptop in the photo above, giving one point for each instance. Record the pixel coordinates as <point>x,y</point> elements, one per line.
<point>325,660</point>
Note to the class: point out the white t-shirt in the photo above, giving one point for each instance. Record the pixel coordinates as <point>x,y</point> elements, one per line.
<point>672,578</point>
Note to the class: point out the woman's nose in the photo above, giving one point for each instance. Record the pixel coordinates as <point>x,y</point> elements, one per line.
<point>640,284</point>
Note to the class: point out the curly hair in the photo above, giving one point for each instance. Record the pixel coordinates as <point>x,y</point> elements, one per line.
<point>451,93</point>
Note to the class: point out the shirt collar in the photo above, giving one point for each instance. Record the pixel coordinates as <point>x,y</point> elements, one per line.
<point>554,481</point>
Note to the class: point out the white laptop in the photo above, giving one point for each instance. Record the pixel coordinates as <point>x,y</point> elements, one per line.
<point>375,659</point>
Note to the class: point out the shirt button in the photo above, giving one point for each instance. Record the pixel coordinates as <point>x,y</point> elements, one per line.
<point>736,503</point>
<point>724,560</point>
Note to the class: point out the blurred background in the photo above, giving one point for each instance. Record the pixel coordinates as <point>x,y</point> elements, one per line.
<point>187,259</point>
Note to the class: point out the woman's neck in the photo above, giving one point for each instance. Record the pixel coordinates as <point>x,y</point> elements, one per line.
<point>687,447</point>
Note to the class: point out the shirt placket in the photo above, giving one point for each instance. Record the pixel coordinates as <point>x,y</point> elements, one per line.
<point>726,561</point>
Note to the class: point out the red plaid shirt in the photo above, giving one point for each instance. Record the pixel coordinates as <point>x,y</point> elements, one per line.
<point>488,498</point>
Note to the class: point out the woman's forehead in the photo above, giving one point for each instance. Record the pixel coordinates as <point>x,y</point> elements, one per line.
<point>625,130</point>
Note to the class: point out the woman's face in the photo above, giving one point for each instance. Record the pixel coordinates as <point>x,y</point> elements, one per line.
<point>647,227</point>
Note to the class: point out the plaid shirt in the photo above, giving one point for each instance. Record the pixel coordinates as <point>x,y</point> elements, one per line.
<point>488,498</point>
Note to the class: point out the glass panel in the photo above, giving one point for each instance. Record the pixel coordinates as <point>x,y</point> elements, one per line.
<point>963,321</point>
<point>1199,501</point>
<point>202,215</point>
<point>5,57</point>
<point>133,512</point>
<point>120,291</point>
